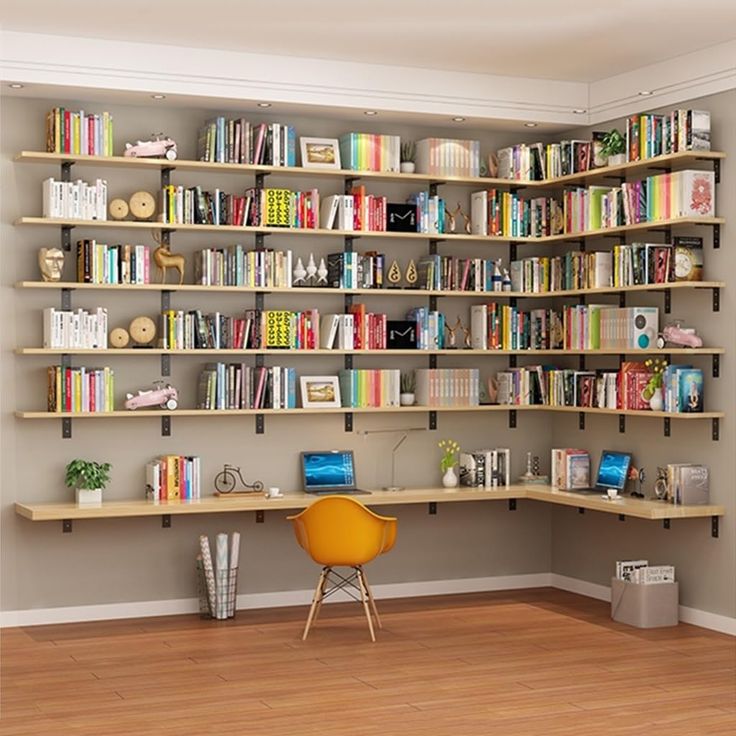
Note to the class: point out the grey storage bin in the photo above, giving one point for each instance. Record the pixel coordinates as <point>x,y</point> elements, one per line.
<point>644,606</point>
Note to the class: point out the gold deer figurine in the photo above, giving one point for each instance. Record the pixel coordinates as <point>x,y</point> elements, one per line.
<point>164,258</point>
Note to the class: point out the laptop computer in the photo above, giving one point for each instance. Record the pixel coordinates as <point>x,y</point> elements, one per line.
<point>613,471</point>
<point>326,472</point>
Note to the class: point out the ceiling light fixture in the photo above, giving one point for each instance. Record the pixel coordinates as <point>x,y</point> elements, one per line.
<point>158,97</point>
<point>458,120</point>
<point>16,85</point>
<point>530,125</point>
<point>579,111</point>
<point>264,104</point>
<point>370,112</point>
<point>645,92</point>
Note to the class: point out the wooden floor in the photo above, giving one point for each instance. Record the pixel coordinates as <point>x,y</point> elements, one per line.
<point>521,663</point>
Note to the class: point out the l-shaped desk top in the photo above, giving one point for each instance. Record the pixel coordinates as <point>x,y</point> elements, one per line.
<point>624,506</point>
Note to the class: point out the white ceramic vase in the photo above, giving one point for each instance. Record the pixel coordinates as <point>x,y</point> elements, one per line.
<point>449,479</point>
<point>656,403</point>
<point>89,496</point>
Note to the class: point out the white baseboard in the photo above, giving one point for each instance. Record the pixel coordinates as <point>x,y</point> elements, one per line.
<point>144,609</point>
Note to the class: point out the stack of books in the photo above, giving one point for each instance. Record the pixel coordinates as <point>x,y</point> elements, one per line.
<point>369,387</point>
<point>174,478</point>
<point>570,468</point>
<point>240,386</point>
<point>66,328</point>
<point>354,211</point>
<point>75,200</point>
<point>235,266</point>
<point>353,270</point>
<point>80,389</point>
<point>447,386</point>
<point>79,132</point>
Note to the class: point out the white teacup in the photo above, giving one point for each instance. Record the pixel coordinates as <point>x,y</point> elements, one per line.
<point>612,493</point>
<point>273,492</point>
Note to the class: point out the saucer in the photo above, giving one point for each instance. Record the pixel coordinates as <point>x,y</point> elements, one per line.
<point>278,495</point>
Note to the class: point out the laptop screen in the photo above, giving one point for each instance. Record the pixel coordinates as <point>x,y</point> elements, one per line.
<point>330,470</point>
<point>613,470</point>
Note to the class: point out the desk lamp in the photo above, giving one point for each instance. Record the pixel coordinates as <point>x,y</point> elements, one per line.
<point>404,434</point>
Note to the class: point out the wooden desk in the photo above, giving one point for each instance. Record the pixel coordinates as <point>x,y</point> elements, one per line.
<point>623,507</point>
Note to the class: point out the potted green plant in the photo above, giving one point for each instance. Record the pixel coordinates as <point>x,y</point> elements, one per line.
<point>408,385</point>
<point>408,154</point>
<point>614,148</point>
<point>652,392</point>
<point>89,478</point>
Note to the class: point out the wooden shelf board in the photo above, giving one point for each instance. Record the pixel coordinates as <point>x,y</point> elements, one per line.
<point>640,508</point>
<point>482,295</point>
<point>321,351</point>
<point>157,164</point>
<point>449,237</point>
<point>147,413</point>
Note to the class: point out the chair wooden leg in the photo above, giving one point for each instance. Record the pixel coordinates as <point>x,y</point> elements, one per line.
<point>321,587</point>
<point>364,598</point>
<point>370,598</point>
<point>315,601</point>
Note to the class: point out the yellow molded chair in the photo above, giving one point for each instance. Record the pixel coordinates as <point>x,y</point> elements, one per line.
<point>338,531</point>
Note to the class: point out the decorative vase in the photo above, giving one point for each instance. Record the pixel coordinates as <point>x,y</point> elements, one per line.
<point>406,399</point>
<point>656,403</point>
<point>617,159</point>
<point>449,479</point>
<point>407,167</point>
<point>89,496</point>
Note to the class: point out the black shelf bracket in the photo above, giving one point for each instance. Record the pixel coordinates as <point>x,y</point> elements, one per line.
<point>261,241</point>
<point>166,426</point>
<point>716,365</point>
<point>713,527</point>
<point>66,237</point>
<point>716,235</point>
<point>512,504</point>
<point>66,299</point>
<point>66,525</point>
<point>165,300</point>
<point>261,179</point>
<point>433,243</point>
<point>433,303</point>
<point>348,244</point>
<point>716,434</point>
<point>166,175</point>
<point>260,516</point>
<point>432,361</point>
<point>717,170</point>
<point>581,245</point>
<point>66,422</point>
<point>581,362</point>
<point>512,251</point>
<point>667,301</point>
<point>166,521</point>
<point>348,362</point>
<point>260,424</point>
<point>622,299</point>
<point>349,421</point>
<point>66,170</point>
<point>716,299</point>
<point>581,510</point>
<point>433,420</point>
<point>666,523</point>
<point>433,188</point>
<point>667,427</point>
<point>512,419</point>
<point>433,508</point>
<point>581,420</point>
<point>621,517</point>
<point>166,365</point>
<point>622,423</point>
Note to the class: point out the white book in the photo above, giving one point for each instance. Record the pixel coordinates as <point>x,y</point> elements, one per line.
<point>346,213</point>
<point>345,332</point>
<point>328,211</point>
<point>479,327</point>
<point>328,330</point>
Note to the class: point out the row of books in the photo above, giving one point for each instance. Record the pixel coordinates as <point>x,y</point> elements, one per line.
<point>80,389</point>
<point>687,484</point>
<point>447,386</point>
<point>74,200</point>
<point>496,212</point>
<point>601,389</point>
<point>174,478</point>
<point>99,263</point>
<point>538,161</point>
<point>485,468</point>
<point>431,215</point>
<point>365,387</point>
<point>66,328</point>
<point>503,327</point>
<point>569,468</point>
<point>448,157</point>
<point>255,208</point>
<point>236,266</point>
<point>238,141</point>
<point>370,152</point>
<point>353,270</point>
<point>77,132</point>
<point>430,327</point>
<point>652,135</point>
<point>355,211</point>
<point>240,386</point>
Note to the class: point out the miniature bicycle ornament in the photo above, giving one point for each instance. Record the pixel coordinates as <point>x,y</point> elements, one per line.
<point>226,480</point>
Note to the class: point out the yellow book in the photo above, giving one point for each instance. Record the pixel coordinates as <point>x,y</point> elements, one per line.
<point>277,209</point>
<point>278,328</point>
<point>59,406</point>
<point>57,130</point>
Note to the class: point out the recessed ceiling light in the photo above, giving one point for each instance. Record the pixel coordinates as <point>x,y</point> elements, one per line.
<point>458,120</point>
<point>530,125</point>
<point>158,97</point>
<point>264,104</point>
<point>645,92</point>
<point>579,111</point>
<point>370,112</point>
<point>16,85</point>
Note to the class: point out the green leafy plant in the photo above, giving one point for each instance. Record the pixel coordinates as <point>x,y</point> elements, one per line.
<point>408,383</point>
<point>657,367</point>
<point>87,474</point>
<point>449,457</point>
<point>408,151</point>
<point>613,143</point>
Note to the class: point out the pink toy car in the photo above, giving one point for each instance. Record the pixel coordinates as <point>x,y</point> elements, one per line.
<point>679,336</point>
<point>159,148</point>
<point>162,395</point>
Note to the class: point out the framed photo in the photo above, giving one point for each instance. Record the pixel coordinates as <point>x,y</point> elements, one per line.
<point>320,392</point>
<point>320,153</point>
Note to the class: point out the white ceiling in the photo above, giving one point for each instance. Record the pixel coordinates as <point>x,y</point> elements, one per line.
<point>545,39</point>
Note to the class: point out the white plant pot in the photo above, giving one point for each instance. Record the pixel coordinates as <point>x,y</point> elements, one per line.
<point>407,167</point>
<point>656,403</point>
<point>89,496</point>
<point>406,399</point>
<point>617,160</point>
<point>449,479</point>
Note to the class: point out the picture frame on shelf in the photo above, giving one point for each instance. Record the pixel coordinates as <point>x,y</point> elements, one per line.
<point>320,392</point>
<point>320,153</point>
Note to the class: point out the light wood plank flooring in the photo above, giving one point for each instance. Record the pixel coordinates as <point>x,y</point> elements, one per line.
<point>519,663</point>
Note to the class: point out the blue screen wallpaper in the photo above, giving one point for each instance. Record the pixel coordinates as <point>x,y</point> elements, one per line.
<point>613,470</point>
<point>328,469</point>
